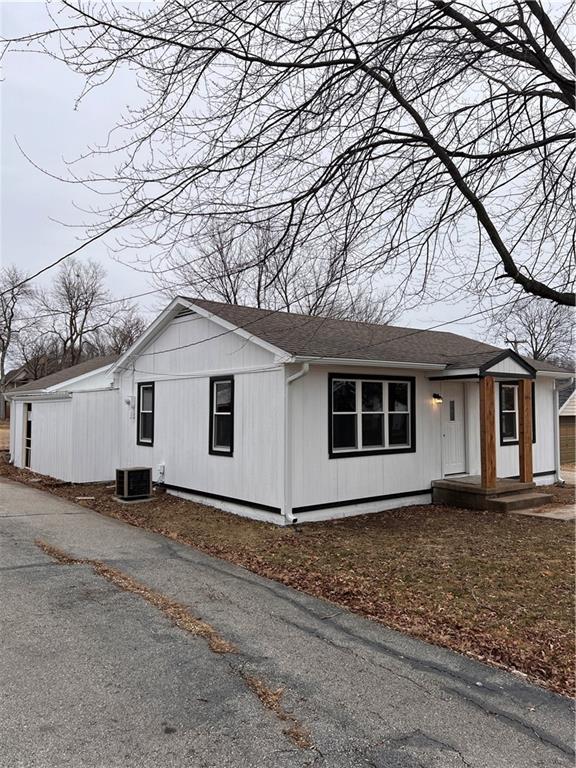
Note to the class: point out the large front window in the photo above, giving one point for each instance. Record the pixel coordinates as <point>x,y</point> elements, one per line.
<point>370,415</point>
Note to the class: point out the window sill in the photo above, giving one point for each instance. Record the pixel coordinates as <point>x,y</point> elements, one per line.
<point>515,441</point>
<point>370,452</point>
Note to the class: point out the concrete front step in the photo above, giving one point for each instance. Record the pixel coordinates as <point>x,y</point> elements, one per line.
<point>519,501</point>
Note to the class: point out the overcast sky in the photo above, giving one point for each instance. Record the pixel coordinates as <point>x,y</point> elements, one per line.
<point>39,113</point>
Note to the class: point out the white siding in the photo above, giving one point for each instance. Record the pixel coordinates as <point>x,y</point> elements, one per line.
<point>181,413</point>
<point>507,455</point>
<point>52,449</point>
<point>472,394</point>
<point>543,450</point>
<point>17,432</point>
<point>95,436</point>
<point>75,440</point>
<point>317,479</point>
<point>194,344</point>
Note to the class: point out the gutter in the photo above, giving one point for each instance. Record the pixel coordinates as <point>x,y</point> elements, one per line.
<point>367,363</point>
<point>289,517</point>
<point>27,397</point>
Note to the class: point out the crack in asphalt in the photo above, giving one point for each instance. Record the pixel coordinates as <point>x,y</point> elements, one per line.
<point>520,725</point>
<point>181,617</point>
<point>412,739</point>
<point>279,591</point>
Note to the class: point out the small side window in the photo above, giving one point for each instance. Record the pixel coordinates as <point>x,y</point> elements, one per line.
<point>509,411</point>
<point>145,434</point>
<point>222,416</point>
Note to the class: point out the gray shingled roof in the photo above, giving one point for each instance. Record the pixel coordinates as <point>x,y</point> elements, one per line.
<point>59,377</point>
<point>322,337</point>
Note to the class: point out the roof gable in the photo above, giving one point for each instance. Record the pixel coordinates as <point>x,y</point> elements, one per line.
<point>177,308</point>
<point>508,363</point>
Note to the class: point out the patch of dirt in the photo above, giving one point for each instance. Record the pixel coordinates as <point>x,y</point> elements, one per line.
<point>272,700</point>
<point>562,494</point>
<point>499,588</point>
<point>178,614</point>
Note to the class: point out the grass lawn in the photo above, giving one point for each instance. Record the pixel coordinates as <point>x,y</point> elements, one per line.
<point>499,588</point>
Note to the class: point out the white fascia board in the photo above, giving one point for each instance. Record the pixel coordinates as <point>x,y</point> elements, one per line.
<point>459,372</point>
<point>64,385</point>
<point>41,395</point>
<point>553,375</point>
<point>366,363</point>
<point>157,325</point>
<point>279,353</point>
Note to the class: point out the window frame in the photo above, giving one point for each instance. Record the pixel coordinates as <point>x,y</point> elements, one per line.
<point>27,435</point>
<point>516,385</point>
<point>211,416</point>
<point>139,440</point>
<point>344,453</point>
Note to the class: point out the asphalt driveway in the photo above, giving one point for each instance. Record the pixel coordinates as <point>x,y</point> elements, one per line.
<point>94,675</point>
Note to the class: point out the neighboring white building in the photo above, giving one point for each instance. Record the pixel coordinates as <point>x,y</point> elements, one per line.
<point>280,416</point>
<point>567,413</point>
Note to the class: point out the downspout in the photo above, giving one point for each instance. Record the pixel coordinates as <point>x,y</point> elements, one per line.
<point>289,517</point>
<point>559,479</point>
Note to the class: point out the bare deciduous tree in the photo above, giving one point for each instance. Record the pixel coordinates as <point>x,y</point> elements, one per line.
<point>538,329</point>
<point>410,127</point>
<point>80,312</point>
<point>14,296</point>
<point>37,350</point>
<point>117,337</point>
<point>247,269</point>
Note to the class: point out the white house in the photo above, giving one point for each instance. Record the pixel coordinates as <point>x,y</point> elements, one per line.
<point>281,416</point>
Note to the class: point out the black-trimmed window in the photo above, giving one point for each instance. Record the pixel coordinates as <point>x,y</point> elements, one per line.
<point>370,415</point>
<point>145,428</point>
<point>222,415</point>
<point>508,410</point>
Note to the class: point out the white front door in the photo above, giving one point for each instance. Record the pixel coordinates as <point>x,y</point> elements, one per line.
<point>453,429</point>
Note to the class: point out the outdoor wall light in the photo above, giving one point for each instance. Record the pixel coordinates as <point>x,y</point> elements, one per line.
<point>436,398</point>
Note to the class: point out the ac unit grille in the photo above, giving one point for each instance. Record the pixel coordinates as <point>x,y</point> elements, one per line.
<point>134,483</point>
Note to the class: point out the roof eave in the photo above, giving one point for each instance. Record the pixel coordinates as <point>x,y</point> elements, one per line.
<point>39,394</point>
<point>358,362</point>
<point>555,374</point>
<point>65,384</point>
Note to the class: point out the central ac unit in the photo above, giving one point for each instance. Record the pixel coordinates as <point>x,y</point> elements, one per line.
<point>134,483</point>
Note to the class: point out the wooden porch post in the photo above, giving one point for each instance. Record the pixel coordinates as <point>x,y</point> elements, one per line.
<point>525,430</point>
<point>487,433</point>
